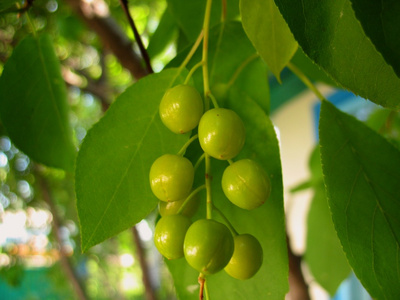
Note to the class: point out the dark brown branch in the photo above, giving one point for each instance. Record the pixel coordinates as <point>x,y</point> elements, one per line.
<point>140,251</point>
<point>145,55</point>
<point>64,260</point>
<point>298,288</point>
<point>111,35</point>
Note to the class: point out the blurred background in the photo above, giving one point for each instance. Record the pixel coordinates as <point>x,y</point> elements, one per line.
<point>40,255</point>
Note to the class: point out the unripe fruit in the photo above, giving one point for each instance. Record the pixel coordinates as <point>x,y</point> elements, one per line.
<point>221,133</point>
<point>169,235</point>
<point>246,184</point>
<point>181,108</point>
<point>247,257</point>
<point>171,177</point>
<point>171,208</point>
<point>208,246</point>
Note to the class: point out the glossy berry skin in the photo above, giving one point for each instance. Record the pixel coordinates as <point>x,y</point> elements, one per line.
<point>181,108</point>
<point>169,235</point>
<point>247,257</point>
<point>221,133</point>
<point>246,184</point>
<point>171,177</point>
<point>171,208</point>
<point>208,246</point>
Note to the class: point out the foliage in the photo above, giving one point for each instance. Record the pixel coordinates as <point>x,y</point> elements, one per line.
<point>353,222</point>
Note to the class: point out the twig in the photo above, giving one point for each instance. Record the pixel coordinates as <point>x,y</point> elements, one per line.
<point>145,55</point>
<point>140,251</point>
<point>64,260</point>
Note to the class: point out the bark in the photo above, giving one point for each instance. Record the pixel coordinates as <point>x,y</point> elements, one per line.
<point>298,288</point>
<point>64,259</point>
<point>141,253</point>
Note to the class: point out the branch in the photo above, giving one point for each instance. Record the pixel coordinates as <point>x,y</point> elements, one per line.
<point>64,260</point>
<point>298,288</point>
<point>96,17</point>
<point>140,251</point>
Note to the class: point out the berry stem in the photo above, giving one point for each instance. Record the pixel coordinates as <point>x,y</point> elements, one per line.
<point>184,147</point>
<point>208,186</point>
<point>196,66</point>
<point>206,29</point>
<point>198,162</point>
<point>229,224</point>
<point>202,280</point>
<point>190,197</point>
<point>192,51</point>
<point>305,80</point>
<point>230,161</point>
<point>241,67</point>
<point>213,100</point>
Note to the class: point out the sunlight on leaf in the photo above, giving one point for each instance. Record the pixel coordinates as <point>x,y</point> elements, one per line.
<point>268,32</point>
<point>112,172</point>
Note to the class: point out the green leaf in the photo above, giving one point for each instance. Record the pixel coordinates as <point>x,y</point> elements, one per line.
<point>380,21</point>
<point>266,223</point>
<point>190,14</point>
<point>112,185</point>
<point>269,33</point>
<point>362,174</point>
<point>310,69</point>
<point>164,33</point>
<point>4,4</point>
<point>332,37</point>
<point>33,104</point>
<point>324,254</point>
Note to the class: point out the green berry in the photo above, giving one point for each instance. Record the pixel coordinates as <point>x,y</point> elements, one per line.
<point>221,133</point>
<point>246,184</point>
<point>171,177</point>
<point>247,257</point>
<point>208,246</point>
<point>171,208</point>
<point>169,235</point>
<point>181,108</point>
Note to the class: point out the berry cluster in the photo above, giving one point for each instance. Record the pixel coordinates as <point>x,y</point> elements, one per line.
<point>207,245</point>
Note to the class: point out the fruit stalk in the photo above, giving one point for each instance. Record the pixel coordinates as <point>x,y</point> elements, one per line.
<point>206,28</point>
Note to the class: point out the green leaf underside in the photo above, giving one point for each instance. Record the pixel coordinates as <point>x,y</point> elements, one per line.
<point>324,254</point>
<point>266,223</point>
<point>322,241</point>
<point>331,36</point>
<point>269,33</point>
<point>381,23</point>
<point>112,181</point>
<point>362,175</point>
<point>190,14</point>
<point>33,104</point>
